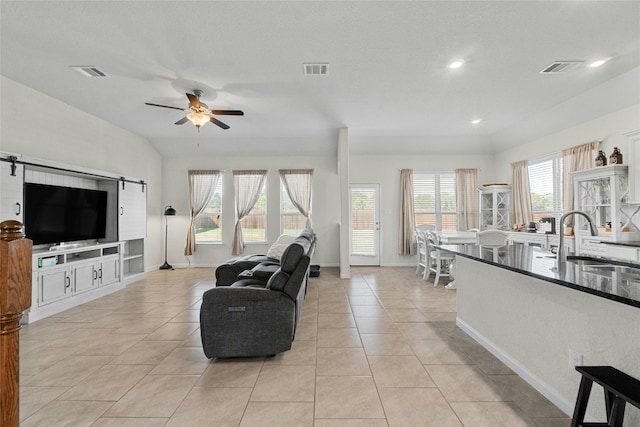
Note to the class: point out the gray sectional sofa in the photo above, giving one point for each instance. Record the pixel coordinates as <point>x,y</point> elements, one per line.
<point>250,318</point>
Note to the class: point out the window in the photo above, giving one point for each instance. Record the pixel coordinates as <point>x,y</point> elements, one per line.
<point>434,198</point>
<point>545,181</point>
<point>209,222</point>
<point>254,228</point>
<point>291,221</point>
<point>295,199</point>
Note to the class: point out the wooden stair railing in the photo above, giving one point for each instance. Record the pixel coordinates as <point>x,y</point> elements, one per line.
<point>15,297</point>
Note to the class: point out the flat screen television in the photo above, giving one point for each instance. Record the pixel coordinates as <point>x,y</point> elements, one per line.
<point>54,214</point>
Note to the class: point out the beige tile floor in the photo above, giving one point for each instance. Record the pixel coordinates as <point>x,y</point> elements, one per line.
<point>380,349</point>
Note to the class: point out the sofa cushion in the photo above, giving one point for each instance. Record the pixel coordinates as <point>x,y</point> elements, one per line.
<point>293,253</point>
<point>277,249</point>
<point>278,281</point>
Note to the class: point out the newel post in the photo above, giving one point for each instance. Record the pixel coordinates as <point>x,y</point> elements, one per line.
<point>15,297</point>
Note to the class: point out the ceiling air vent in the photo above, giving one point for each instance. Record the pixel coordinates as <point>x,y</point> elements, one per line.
<point>89,71</point>
<point>317,69</point>
<point>562,67</point>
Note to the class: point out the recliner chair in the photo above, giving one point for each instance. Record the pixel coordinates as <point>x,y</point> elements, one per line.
<point>249,319</point>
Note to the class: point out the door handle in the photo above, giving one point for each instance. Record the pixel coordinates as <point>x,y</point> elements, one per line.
<point>18,208</point>
<point>121,210</point>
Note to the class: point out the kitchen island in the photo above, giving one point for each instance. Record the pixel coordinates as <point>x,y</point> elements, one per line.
<point>540,320</point>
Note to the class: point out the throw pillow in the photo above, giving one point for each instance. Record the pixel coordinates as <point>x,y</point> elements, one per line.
<point>276,250</point>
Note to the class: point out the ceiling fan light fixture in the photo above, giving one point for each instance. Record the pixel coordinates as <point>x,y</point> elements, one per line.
<point>198,119</point>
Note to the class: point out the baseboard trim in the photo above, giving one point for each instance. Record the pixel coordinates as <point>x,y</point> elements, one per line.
<point>533,380</point>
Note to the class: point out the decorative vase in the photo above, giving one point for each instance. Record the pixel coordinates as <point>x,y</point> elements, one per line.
<point>616,157</point>
<point>601,159</point>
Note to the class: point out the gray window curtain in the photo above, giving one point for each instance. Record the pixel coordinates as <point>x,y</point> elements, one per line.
<point>467,198</point>
<point>202,185</point>
<point>297,183</point>
<point>574,159</point>
<point>407,213</point>
<point>248,185</point>
<point>521,207</point>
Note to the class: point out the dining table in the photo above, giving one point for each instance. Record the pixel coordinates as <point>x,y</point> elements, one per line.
<point>454,237</point>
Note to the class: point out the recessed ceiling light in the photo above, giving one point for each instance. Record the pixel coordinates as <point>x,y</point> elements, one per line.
<point>456,64</point>
<point>476,121</point>
<point>597,63</point>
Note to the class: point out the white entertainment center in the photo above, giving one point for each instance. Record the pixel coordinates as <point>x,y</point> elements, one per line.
<point>72,273</point>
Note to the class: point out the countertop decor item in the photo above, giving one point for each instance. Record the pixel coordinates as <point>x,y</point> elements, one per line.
<point>616,157</point>
<point>601,159</point>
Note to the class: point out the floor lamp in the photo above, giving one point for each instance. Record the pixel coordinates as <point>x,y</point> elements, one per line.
<point>168,211</point>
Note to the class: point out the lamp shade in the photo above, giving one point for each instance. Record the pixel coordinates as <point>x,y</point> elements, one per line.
<point>198,119</point>
<point>169,211</point>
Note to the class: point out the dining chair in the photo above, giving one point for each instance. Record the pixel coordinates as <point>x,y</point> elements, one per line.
<point>439,261</point>
<point>492,238</point>
<point>421,241</point>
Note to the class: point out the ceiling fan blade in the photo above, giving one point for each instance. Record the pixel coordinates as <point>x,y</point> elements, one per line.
<point>227,112</point>
<point>182,121</point>
<point>194,102</point>
<point>164,106</point>
<point>219,123</point>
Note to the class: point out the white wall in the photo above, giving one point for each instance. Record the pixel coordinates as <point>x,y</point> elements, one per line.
<point>533,326</point>
<point>610,128</point>
<point>385,169</point>
<point>64,134</point>
<point>325,207</point>
<point>605,112</point>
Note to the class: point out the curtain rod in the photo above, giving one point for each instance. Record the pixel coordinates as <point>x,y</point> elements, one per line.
<point>14,160</point>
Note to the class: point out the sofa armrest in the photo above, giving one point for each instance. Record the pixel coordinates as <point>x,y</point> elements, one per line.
<point>245,322</point>
<point>228,273</point>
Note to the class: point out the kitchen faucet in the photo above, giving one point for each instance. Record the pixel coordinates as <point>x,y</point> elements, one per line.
<point>562,252</point>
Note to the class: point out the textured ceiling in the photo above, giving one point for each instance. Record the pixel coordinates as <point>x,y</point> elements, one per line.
<point>388,63</point>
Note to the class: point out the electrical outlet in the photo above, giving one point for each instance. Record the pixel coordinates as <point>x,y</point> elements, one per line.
<point>575,358</point>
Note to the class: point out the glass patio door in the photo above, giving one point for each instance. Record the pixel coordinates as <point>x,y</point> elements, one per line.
<point>365,224</point>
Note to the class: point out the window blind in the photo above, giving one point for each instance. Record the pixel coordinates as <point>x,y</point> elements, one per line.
<point>545,181</point>
<point>434,197</point>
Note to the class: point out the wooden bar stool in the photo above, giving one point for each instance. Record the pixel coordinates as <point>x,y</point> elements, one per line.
<point>619,388</point>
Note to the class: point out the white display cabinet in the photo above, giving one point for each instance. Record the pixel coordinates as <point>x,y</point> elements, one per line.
<point>603,194</point>
<point>495,207</point>
<point>632,158</point>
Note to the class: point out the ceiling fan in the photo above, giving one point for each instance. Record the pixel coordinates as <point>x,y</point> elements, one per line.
<point>200,113</point>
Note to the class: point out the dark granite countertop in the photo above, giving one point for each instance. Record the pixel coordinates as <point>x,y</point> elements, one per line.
<point>602,278</point>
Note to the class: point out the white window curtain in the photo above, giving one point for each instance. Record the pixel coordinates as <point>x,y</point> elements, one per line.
<point>521,201</point>
<point>574,159</point>
<point>297,183</point>
<point>467,198</point>
<point>202,185</point>
<point>248,185</point>
<point>407,213</point>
